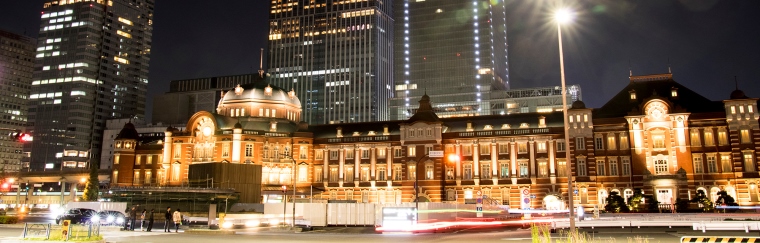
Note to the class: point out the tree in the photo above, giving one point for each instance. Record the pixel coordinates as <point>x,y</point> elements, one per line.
<point>703,201</point>
<point>634,202</point>
<point>615,203</point>
<point>91,190</point>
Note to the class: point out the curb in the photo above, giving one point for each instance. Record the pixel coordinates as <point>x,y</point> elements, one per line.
<point>210,232</point>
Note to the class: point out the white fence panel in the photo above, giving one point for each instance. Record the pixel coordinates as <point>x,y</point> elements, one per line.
<point>316,213</point>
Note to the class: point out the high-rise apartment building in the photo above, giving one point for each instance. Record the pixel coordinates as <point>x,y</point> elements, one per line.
<point>453,50</point>
<point>91,65</point>
<point>336,55</point>
<point>16,68</point>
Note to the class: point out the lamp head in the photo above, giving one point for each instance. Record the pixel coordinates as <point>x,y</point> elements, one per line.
<point>564,15</point>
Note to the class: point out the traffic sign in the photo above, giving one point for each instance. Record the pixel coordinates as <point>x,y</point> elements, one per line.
<point>575,191</point>
<point>479,200</point>
<point>526,191</point>
<point>479,209</point>
<point>526,200</point>
<point>532,196</point>
<point>480,193</point>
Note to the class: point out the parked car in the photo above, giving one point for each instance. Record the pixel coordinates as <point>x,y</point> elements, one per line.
<point>110,217</point>
<point>78,216</point>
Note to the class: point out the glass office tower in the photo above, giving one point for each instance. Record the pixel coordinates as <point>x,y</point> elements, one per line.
<point>336,55</point>
<point>453,50</point>
<point>91,65</point>
<point>16,68</point>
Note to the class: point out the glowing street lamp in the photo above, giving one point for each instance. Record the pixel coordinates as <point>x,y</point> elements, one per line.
<point>563,16</point>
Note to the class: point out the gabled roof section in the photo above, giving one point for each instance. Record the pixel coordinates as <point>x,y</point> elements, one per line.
<point>425,113</point>
<point>660,86</point>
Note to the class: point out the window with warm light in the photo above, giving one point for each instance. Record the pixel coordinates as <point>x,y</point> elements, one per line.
<point>745,138</point>
<point>412,151</point>
<point>694,135</point>
<point>412,172</point>
<point>333,174</point>
<point>561,168</point>
<point>334,154</point>
<point>658,141</point>
<point>365,153</point>
<point>749,161</point>
<point>722,136</point>
<point>429,175</point>
<point>543,169</point>
<point>522,148</point>
<point>148,177</point>
<point>726,163</point>
<point>349,174</point>
<point>708,136</point>
<point>177,151</point>
<point>136,178</point>
<point>116,159</point>
<point>381,153</point>
<point>364,174</point>
<point>303,152</point>
<point>175,172</point>
<point>349,153</point>
<point>541,147</point>
<point>624,142</point>
<point>611,145</point>
<point>115,177</point>
<point>225,150</point>
<point>626,163</point>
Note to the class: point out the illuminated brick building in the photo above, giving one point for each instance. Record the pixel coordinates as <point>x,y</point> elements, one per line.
<point>655,135</point>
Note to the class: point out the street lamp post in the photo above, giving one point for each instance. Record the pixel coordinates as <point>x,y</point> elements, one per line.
<point>293,178</point>
<point>564,16</point>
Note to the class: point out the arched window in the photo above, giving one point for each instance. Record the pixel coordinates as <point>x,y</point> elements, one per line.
<point>714,193</point>
<point>603,197</point>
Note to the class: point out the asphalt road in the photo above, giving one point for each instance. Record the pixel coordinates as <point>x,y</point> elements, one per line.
<point>357,234</point>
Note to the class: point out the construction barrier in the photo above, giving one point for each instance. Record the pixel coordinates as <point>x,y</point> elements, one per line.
<point>719,239</point>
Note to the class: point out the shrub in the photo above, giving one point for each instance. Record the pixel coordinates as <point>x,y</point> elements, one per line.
<point>8,219</point>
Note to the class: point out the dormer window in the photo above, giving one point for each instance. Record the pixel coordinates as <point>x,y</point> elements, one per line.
<point>268,90</point>
<point>291,94</point>
<point>633,94</point>
<point>488,127</point>
<point>674,92</point>
<point>524,125</point>
<point>541,121</point>
<point>371,133</point>
<point>356,134</point>
<point>505,126</point>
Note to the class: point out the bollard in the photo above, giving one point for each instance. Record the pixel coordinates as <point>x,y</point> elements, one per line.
<point>47,232</point>
<point>25,229</point>
<point>89,230</point>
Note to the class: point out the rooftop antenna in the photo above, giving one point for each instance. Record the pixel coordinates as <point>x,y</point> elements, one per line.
<point>261,63</point>
<point>669,66</point>
<point>736,83</point>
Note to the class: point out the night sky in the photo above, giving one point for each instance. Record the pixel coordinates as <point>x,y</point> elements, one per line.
<point>705,42</point>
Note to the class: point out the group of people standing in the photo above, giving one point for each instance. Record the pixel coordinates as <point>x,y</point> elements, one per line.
<point>146,219</point>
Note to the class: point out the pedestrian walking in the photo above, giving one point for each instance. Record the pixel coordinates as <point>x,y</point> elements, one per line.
<point>132,218</point>
<point>142,220</point>
<point>168,218</point>
<point>177,217</point>
<point>126,219</point>
<point>150,220</point>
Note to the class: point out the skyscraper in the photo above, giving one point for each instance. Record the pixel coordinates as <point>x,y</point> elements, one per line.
<point>453,50</point>
<point>16,67</point>
<point>91,65</point>
<point>336,55</point>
